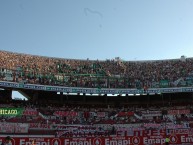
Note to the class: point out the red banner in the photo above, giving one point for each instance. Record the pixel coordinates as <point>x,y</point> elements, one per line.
<point>178,112</point>
<point>30,112</point>
<point>134,140</point>
<point>120,114</point>
<point>66,113</point>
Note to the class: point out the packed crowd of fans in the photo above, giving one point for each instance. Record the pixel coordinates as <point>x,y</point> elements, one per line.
<point>92,114</point>
<point>55,119</point>
<point>89,73</point>
<point>115,73</point>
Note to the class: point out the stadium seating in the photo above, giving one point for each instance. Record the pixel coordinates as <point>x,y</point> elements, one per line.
<point>114,73</point>
<point>152,115</point>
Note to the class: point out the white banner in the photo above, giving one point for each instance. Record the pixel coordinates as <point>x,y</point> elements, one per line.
<point>14,127</point>
<point>151,113</point>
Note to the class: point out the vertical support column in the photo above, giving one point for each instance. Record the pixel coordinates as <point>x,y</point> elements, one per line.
<point>84,97</point>
<point>106,99</point>
<point>61,97</point>
<point>127,98</point>
<point>192,99</point>
<point>162,99</point>
<point>148,100</point>
<point>35,96</point>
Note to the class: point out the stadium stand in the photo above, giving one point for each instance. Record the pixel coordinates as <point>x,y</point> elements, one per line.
<point>47,116</point>
<point>102,74</point>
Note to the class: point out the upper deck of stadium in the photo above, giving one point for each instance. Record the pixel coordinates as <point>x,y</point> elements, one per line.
<point>96,73</point>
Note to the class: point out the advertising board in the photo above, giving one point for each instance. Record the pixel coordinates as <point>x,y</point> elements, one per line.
<point>128,140</point>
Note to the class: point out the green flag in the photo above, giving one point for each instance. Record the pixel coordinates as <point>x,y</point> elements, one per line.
<point>164,83</point>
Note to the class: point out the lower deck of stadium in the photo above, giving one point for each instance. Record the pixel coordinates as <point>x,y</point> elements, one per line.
<point>66,116</point>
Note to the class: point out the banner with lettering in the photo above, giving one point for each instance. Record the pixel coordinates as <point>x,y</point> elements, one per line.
<point>73,127</point>
<point>127,140</point>
<point>6,128</point>
<point>163,88</point>
<point>164,83</point>
<point>39,126</point>
<point>14,127</point>
<point>21,128</point>
<point>11,111</point>
<point>151,113</point>
<point>178,112</point>
<point>122,114</point>
<point>66,113</point>
<point>30,112</point>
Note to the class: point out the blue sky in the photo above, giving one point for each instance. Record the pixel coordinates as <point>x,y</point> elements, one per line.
<point>98,29</point>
